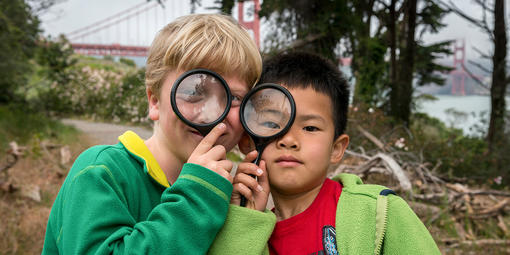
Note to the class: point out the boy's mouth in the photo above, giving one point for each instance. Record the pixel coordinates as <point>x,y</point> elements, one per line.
<point>288,161</point>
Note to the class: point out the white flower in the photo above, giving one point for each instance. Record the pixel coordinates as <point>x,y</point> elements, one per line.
<point>400,143</point>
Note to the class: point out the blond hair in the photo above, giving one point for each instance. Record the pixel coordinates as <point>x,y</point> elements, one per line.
<point>212,41</point>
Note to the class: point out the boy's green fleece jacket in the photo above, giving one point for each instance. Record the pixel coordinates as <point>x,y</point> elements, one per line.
<point>116,200</point>
<point>368,221</point>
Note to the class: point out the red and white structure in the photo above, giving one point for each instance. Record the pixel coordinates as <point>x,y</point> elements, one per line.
<point>248,17</point>
<point>459,75</point>
<point>132,23</point>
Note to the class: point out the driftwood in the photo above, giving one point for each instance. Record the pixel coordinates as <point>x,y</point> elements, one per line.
<point>390,165</point>
<point>452,243</point>
<point>372,138</point>
<point>13,155</point>
<point>431,195</point>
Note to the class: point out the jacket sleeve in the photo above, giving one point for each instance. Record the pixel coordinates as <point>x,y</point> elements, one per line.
<point>246,231</point>
<point>405,233</point>
<point>96,218</point>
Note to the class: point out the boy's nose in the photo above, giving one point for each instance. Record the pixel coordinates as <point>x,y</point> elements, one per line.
<point>287,141</point>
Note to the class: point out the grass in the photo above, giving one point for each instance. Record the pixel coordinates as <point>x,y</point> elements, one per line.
<point>24,127</point>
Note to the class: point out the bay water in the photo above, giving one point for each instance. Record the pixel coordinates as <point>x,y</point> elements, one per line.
<point>469,113</point>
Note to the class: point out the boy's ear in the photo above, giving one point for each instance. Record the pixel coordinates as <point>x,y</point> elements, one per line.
<point>339,146</point>
<point>246,145</point>
<point>153,105</point>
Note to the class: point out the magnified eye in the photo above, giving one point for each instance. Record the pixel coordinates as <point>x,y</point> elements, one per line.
<point>190,96</point>
<point>270,124</point>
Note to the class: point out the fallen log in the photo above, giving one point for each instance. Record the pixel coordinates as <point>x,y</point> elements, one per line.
<point>371,137</point>
<point>452,243</point>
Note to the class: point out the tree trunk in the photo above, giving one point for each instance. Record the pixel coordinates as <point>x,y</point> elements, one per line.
<point>359,47</point>
<point>499,79</point>
<point>393,46</point>
<point>401,95</point>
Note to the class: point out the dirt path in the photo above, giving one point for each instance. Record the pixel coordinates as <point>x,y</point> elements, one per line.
<point>106,133</point>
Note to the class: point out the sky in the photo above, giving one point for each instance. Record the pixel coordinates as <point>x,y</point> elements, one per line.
<point>70,15</point>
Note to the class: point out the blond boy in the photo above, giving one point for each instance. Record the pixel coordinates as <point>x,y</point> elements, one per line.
<point>168,194</point>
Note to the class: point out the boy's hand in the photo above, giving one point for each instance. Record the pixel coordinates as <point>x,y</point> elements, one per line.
<point>256,191</point>
<point>213,157</point>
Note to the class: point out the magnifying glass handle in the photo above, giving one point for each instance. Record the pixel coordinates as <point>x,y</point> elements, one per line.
<point>256,162</point>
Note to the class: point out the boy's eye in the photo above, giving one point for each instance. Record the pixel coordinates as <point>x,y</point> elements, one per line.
<point>310,128</point>
<point>236,100</point>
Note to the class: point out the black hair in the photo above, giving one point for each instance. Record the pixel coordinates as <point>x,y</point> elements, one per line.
<point>304,70</point>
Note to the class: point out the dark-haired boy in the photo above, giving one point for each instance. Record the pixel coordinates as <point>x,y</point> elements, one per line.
<point>314,214</point>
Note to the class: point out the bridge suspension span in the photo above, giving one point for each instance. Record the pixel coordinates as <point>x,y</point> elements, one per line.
<point>130,31</point>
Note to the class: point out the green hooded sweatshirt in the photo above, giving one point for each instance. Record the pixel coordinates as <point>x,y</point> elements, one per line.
<point>369,220</point>
<point>117,200</point>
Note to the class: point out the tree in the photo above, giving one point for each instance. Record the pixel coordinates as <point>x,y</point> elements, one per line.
<point>411,62</point>
<point>19,30</point>
<point>225,6</point>
<point>402,89</point>
<point>316,26</point>
<point>497,34</point>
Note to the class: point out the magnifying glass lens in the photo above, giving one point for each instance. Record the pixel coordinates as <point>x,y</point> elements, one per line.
<point>267,112</point>
<point>201,98</point>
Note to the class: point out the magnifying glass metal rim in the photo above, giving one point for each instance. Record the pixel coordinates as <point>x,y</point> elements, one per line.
<point>176,109</point>
<point>255,90</point>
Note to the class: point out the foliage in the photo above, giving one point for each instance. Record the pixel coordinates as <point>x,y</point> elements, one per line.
<point>320,24</point>
<point>51,73</point>
<point>427,69</point>
<point>19,29</point>
<point>225,6</point>
<point>372,87</point>
<point>107,91</point>
<point>127,61</point>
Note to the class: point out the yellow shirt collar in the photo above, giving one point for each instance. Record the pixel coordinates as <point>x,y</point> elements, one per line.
<point>136,146</point>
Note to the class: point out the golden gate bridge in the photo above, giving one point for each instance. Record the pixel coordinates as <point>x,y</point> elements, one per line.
<point>132,22</point>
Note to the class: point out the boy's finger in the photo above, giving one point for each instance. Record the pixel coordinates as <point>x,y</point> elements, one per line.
<point>244,191</point>
<point>249,168</point>
<point>210,139</point>
<point>225,174</point>
<point>263,179</point>
<point>216,153</point>
<point>226,165</point>
<point>248,181</point>
<point>250,157</point>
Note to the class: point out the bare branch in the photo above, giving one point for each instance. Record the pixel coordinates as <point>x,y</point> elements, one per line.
<point>482,54</point>
<point>299,43</point>
<point>480,23</point>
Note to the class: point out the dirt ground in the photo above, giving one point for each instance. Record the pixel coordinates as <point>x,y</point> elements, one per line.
<point>105,133</point>
<point>28,189</point>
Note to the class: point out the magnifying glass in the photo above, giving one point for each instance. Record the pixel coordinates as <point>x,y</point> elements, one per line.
<point>201,98</point>
<point>267,112</point>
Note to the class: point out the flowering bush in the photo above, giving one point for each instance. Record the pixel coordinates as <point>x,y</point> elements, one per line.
<point>64,84</point>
